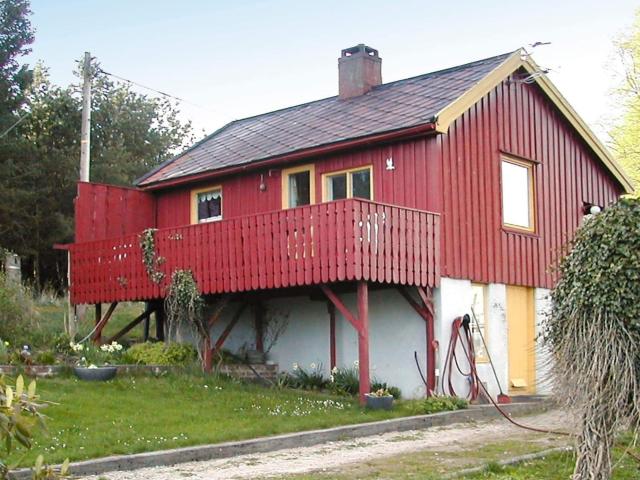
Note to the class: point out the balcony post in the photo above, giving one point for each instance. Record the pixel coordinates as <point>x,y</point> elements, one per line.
<point>363,339</point>
<point>332,334</point>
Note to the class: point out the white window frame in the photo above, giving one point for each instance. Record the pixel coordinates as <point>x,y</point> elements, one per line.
<point>531,193</point>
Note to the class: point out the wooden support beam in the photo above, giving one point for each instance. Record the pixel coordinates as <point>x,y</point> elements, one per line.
<point>426,311</point>
<point>160,318</point>
<point>98,317</point>
<point>353,320</point>
<point>208,350</point>
<point>363,340</point>
<point>361,323</point>
<point>332,334</point>
<point>130,326</point>
<point>97,334</point>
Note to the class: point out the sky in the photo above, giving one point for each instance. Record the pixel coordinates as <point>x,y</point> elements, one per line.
<point>232,59</point>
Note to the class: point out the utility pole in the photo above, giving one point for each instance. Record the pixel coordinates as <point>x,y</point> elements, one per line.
<point>85,140</point>
<point>78,314</point>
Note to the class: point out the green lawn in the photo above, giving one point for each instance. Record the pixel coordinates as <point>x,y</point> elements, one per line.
<point>51,316</point>
<point>136,414</point>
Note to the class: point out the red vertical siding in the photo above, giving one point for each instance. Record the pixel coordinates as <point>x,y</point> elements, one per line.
<point>518,119</point>
<point>106,211</point>
<point>457,174</point>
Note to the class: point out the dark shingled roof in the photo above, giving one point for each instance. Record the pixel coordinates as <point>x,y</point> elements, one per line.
<point>387,107</point>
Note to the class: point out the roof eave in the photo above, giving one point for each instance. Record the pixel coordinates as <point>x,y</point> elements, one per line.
<point>516,60</point>
<point>409,132</point>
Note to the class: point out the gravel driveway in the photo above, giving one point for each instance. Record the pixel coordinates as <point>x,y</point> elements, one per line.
<point>333,455</point>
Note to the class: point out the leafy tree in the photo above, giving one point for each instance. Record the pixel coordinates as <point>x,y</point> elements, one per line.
<point>626,134</point>
<point>594,334</point>
<point>131,133</point>
<point>15,36</point>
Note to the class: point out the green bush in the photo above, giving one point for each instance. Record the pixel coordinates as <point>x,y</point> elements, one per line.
<point>160,354</point>
<point>442,404</point>
<point>346,381</point>
<point>44,358</point>
<point>5,354</point>
<point>17,312</point>
<point>311,379</point>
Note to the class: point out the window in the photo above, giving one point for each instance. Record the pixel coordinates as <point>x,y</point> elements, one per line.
<point>298,186</point>
<point>206,205</point>
<point>348,184</point>
<point>517,194</point>
<point>479,324</point>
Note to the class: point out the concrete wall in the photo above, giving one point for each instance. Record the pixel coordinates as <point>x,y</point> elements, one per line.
<point>396,332</point>
<point>453,299</point>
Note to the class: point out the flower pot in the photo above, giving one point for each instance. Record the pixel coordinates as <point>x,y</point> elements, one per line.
<point>98,374</point>
<point>378,403</point>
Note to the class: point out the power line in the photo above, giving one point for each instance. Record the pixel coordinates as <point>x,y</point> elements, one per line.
<point>18,122</point>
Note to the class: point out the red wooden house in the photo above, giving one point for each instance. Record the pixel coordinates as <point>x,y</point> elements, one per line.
<point>370,220</point>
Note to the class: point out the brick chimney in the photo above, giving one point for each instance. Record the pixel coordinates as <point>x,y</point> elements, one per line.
<point>359,70</point>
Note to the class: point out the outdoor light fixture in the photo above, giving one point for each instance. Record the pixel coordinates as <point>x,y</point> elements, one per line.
<point>591,208</point>
<point>263,186</point>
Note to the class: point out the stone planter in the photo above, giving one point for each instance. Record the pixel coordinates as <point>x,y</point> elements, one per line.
<point>378,403</point>
<point>99,374</point>
<point>8,370</point>
<point>254,357</point>
<point>43,371</point>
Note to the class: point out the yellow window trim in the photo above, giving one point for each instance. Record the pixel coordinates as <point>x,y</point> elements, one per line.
<point>532,192</point>
<point>194,201</point>
<point>326,175</point>
<point>485,328</point>
<point>521,59</point>
<point>311,168</point>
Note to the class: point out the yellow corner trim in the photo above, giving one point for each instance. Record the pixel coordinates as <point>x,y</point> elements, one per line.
<point>194,200</point>
<point>518,59</point>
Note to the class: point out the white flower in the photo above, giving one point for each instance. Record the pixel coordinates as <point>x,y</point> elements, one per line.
<point>332,379</point>
<point>92,366</point>
<point>104,348</point>
<point>313,366</point>
<point>334,370</point>
<point>356,363</point>
<point>6,344</point>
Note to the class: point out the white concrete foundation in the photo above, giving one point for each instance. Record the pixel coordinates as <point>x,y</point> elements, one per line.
<point>396,332</point>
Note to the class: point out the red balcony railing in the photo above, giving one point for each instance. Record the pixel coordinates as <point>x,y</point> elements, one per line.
<point>337,241</point>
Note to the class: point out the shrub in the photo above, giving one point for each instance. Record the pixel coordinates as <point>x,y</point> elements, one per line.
<point>308,380</point>
<point>345,381</point>
<point>17,311</point>
<point>62,344</point>
<point>44,358</point>
<point>442,404</point>
<point>5,354</point>
<point>160,354</point>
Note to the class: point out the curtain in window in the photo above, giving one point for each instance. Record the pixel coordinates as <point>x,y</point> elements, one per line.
<point>209,205</point>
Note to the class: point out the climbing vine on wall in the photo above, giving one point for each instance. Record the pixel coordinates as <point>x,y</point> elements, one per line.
<point>150,259</point>
<point>594,333</point>
<point>184,305</point>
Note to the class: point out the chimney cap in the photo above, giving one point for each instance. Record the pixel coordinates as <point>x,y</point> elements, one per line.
<point>360,49</point>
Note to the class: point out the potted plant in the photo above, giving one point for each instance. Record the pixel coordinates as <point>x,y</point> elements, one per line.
<point>379,400</point>
<point>96,363</point>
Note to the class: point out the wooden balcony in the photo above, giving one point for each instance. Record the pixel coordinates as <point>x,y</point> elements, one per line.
<point>345,240</point>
